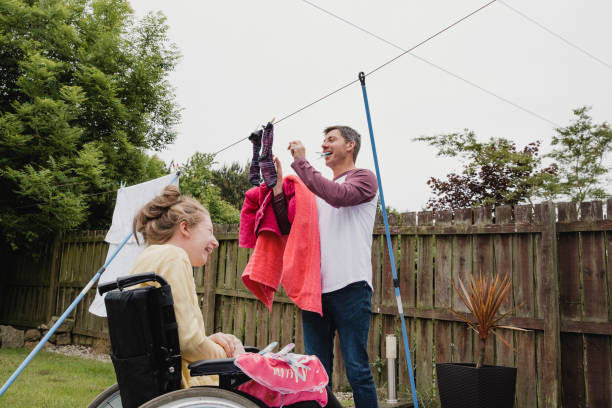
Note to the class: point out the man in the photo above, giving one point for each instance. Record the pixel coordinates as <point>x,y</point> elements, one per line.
<point>346,210</point>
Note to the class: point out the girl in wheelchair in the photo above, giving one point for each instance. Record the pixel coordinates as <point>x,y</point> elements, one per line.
<point>179,235</point>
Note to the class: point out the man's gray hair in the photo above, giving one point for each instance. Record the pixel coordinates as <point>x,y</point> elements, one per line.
<point>350,135</point>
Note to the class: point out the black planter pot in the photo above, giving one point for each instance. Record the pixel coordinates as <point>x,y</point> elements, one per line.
<point>462,385</point>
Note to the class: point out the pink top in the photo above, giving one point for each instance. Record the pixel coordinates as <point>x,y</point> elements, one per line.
<point>257,214</point>
<point>292,260</point>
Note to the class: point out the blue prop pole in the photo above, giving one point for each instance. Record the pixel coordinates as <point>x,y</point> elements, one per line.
<point>63,317</point>
<point>398,297</point>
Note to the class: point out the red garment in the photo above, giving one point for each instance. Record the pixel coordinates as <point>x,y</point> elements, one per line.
<point>257,214</point>
<point>294,260</point>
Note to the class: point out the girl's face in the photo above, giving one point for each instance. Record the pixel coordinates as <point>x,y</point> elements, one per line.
<point>201,241</point>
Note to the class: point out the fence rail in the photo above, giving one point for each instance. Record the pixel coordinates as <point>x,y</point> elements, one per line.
<point>557,255</point>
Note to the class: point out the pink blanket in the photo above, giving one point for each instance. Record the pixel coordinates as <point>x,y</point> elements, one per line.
<point>277,383</point>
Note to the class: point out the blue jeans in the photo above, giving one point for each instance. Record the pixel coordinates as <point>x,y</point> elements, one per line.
<point>347,310</point>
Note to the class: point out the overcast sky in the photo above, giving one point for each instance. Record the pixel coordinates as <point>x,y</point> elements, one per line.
<point>245,62</point>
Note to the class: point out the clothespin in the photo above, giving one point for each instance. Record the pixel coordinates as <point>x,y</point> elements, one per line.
<point>286,349</point>
<point>269,348</point>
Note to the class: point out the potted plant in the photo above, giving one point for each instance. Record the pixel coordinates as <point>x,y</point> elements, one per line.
<point>469,385</point>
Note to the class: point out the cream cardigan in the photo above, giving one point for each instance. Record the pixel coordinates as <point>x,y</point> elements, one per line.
<point>172,263</point>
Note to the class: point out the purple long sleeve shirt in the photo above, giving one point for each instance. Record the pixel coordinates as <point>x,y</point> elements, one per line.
<point>360,186</point>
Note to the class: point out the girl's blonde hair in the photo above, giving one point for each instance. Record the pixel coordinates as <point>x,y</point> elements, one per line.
<point>159,218</point>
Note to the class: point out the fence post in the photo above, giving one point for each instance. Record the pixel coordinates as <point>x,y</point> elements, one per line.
<point>54,272</point>
<point>551,343</point>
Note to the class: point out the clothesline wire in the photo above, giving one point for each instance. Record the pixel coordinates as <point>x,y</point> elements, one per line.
<point>431,37</point>
<point>554,34</point>
<point>467,81</point>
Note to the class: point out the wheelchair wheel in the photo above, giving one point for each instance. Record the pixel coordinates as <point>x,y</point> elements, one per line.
<point>109,398</point>
<point>200,397</point>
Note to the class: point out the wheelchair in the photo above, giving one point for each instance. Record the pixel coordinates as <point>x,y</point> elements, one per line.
<point>146,354</point>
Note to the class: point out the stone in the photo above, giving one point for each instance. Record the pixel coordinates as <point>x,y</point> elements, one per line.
<point>63,339</point>
<point>10,337</point>
<point>30,344</point>
<point>66,326</point>
<point>52,339</point>
<point>32,335</point>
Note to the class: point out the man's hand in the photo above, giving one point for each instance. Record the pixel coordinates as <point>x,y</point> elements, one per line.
<point>278,188</point>
<point>230,343</point>
<point>298,151</point>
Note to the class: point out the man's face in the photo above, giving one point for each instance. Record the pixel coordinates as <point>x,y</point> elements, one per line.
<point>339,148</point>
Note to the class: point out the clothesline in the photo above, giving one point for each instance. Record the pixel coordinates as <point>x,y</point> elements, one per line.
<point>381,66</point>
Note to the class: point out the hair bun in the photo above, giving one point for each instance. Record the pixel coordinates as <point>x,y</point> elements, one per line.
<point>163,202</point>
<point>171,195</point>
<point>158,219</point>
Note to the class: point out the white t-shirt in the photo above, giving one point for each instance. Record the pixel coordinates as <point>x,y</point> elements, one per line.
<point>346,243</point>
<point>346,208</point>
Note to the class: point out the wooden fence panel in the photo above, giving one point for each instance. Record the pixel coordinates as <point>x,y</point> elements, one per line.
<point>442,294</point>
<point>463,337</point>
<point>524,295</point>
<point>594,278</point>
<point>425,301</point>
<point>407,277</point>
<point>263,325</point>
<point>430,253</point>
<point>502,253</point>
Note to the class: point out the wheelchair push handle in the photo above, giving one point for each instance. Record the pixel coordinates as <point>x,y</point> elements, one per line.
<point>123,282</point>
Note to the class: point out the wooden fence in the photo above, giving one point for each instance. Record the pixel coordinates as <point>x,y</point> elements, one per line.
<point>557,256</point>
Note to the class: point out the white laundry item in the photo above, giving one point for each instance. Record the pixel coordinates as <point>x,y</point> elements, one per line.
<point>129,201</point>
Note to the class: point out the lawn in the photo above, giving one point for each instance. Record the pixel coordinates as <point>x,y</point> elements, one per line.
<point>53,380</point>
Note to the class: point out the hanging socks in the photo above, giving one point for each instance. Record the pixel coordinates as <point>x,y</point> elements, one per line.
<point>266,160</point>
<point>254,177</point>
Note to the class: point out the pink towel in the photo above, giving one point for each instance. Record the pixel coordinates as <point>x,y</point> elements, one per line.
<point>293,261</point>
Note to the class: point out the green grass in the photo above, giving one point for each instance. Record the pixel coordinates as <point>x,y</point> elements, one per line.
<point>346,402</point>
<point>53,380</point>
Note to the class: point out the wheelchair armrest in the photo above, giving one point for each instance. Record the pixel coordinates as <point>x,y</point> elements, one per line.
<point>219,366</point>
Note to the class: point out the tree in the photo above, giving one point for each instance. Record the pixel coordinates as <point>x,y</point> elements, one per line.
<point>197,181</point>
<point>581,149</point>
<point>83,94</point>
<point>233,182</point>
<point>494,172</point>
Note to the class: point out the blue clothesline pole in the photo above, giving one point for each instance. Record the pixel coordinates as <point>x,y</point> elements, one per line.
<point>398,297</point>
<point>63,317</point>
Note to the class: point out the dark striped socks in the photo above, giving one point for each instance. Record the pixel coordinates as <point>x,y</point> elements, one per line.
<point>254,177</point>
<point>265,161</point>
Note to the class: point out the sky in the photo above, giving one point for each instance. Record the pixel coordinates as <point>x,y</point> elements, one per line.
<point>245,62</point>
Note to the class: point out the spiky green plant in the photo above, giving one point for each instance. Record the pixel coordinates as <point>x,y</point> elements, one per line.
<point>483,298</point>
